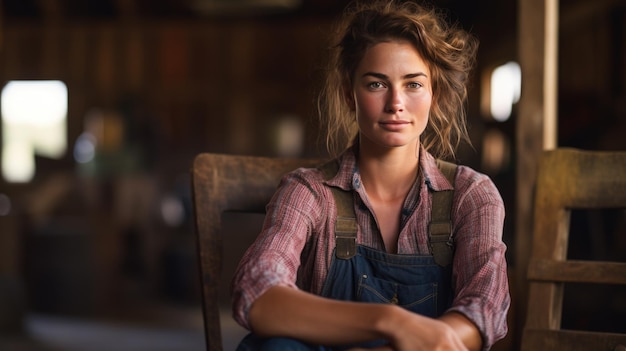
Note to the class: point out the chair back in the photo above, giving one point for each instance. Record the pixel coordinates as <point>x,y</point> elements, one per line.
<point>223,183</point>
<point>570,179</point>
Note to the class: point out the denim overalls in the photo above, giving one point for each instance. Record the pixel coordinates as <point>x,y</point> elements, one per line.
<point>363,274</point>
<point>414,282</point>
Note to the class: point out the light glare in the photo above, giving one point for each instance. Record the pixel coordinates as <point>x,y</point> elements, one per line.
<point>506,81</point>
<point>34,121</point>
<point>38,103</point>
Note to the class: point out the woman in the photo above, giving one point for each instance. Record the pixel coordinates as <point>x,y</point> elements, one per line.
<point>397,86</point>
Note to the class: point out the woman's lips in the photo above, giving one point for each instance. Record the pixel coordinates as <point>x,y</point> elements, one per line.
<point>394,125</point>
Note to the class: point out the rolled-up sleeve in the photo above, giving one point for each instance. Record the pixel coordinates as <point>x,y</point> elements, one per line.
<point>479,276</point>
<point>274,257</point>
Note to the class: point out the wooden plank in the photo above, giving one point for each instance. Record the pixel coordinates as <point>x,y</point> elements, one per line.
<point>572,271</point>
<point>571,340</point>
<point>545,308</point>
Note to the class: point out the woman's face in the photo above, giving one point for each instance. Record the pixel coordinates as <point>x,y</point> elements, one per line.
<point>391,95</point>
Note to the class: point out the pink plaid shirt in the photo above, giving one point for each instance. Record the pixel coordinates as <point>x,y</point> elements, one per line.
<point>296,243</point>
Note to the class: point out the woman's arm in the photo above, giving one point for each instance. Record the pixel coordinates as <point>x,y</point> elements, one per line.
<point>287,312</point>
<point>465,329</point>
<point>479,273</point>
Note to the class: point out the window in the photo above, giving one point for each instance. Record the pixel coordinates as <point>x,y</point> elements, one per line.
<point>505,90</point>
<point>34,121</point>
<point>501,89</point>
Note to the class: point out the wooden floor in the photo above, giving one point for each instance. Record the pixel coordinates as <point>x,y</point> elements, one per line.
<point>176,329</point>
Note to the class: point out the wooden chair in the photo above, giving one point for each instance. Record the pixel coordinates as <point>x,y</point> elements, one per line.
<point>570,179</point>
<point>224,183</point>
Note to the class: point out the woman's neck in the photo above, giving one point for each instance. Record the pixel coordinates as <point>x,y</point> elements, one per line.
<point>388,174</point>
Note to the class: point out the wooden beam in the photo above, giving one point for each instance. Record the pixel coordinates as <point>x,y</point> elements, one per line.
<point>550,75</point>
<point>536,127</point>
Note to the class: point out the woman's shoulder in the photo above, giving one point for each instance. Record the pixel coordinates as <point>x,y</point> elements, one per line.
<point>334,172</point>
<point>302,181</point>
<point>467,174</point>
<point>470,182</point>
<point>308,177</point>
<point>309,174</point>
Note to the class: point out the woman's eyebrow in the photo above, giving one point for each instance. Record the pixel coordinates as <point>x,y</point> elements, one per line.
<point>414,75</point>
<point>376,75</point>
<point>385,77</point>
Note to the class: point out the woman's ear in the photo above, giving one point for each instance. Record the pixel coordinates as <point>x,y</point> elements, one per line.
<point>349,96</point>
<point>350,102</point>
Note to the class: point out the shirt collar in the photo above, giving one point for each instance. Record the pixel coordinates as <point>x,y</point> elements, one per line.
<point>347,170</point>
<point>434,179</point>
<point>347,174</point>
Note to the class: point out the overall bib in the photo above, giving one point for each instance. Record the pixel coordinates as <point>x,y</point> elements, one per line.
<point>413,282</point>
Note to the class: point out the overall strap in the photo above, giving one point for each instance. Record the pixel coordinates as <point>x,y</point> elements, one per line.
<point>346,226</point>
<point>440,227</point>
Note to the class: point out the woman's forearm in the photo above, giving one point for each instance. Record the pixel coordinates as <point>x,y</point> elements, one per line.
<point>287,312</point>
<point>465,329</point>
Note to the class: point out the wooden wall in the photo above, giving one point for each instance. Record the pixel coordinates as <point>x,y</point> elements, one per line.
<point>199,85</point>
<point>207,85</point>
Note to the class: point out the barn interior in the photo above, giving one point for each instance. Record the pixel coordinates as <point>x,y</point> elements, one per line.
<point>97,242</point>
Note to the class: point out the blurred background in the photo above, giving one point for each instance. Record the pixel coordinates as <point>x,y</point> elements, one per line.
<point>104,104</point>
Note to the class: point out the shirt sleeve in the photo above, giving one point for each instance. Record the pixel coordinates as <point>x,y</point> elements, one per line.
<point>479,276</point>
<point>274,257</point>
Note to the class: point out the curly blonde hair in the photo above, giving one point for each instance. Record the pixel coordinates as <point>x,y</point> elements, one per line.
<point>448,50</point>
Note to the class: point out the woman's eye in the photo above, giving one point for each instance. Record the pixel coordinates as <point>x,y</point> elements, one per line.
<point>414,85</point>
<point>375,85</point>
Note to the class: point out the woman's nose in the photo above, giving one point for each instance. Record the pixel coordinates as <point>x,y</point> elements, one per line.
<point>394,102</point>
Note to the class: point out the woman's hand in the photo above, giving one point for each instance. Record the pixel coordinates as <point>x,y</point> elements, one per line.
<point>412,332</point>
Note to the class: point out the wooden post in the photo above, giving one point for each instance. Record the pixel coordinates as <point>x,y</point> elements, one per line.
<point>550,76</point>
<point>536,126</point>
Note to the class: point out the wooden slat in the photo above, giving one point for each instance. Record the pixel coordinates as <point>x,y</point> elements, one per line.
<point>571,340</point>
<point>572,271</point>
